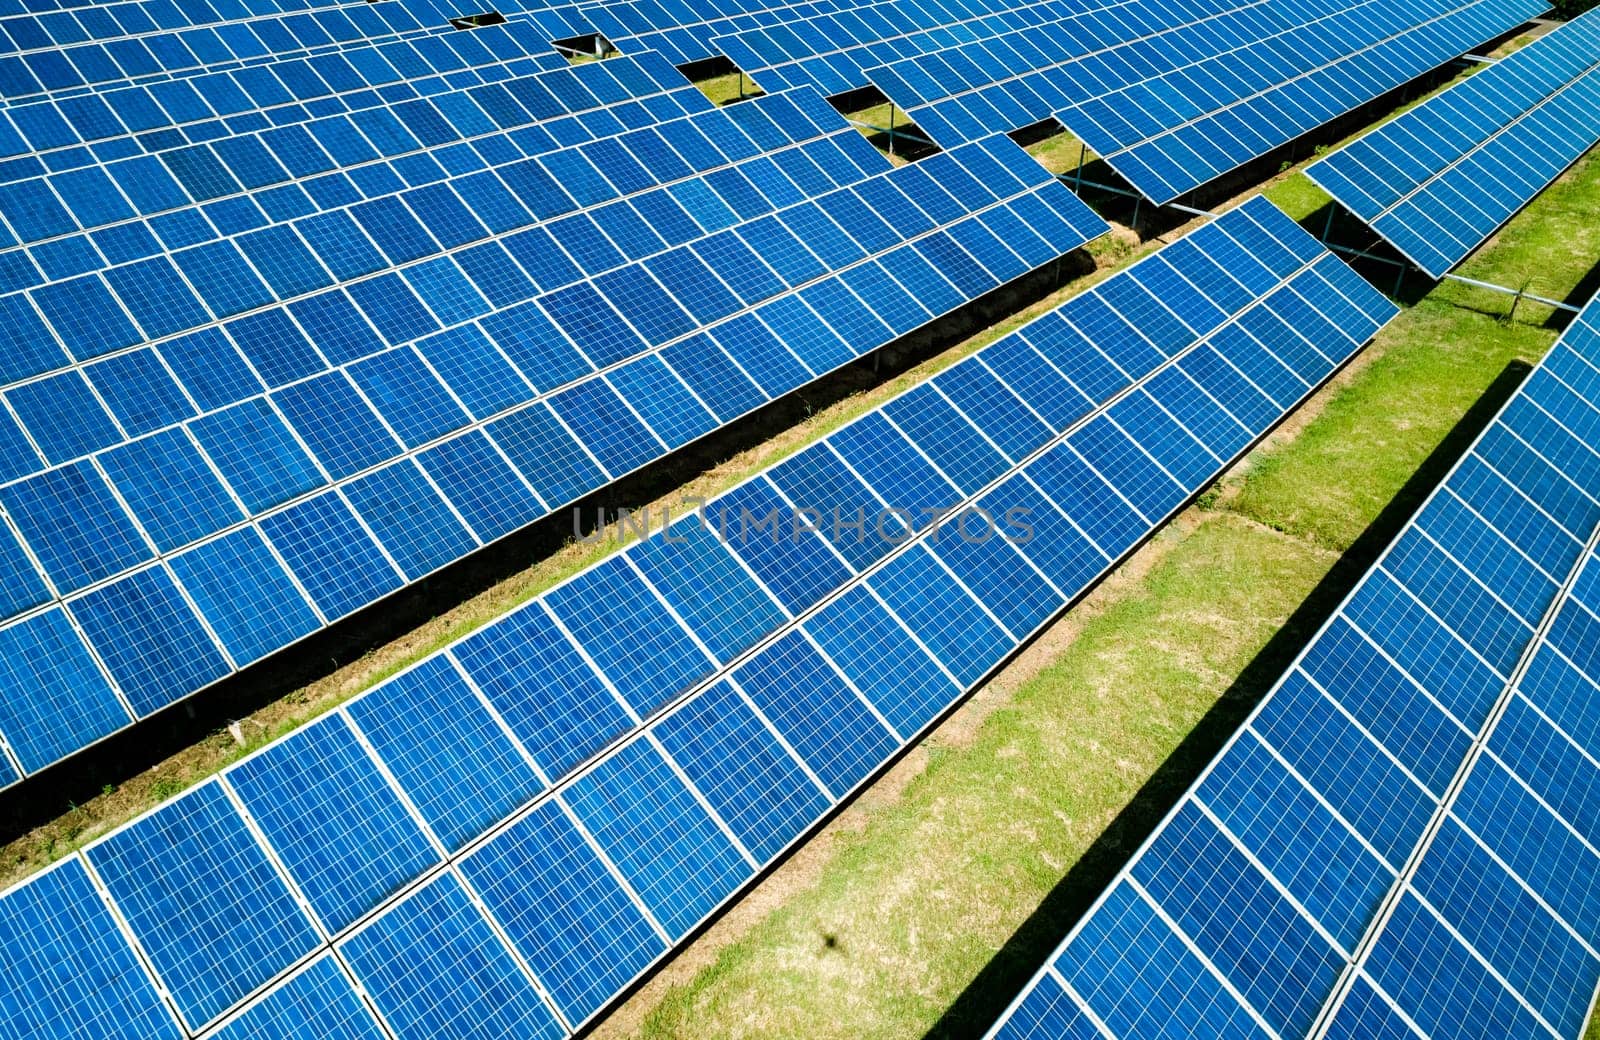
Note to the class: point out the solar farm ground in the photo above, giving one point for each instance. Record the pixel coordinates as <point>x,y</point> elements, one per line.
<point>928,903</point>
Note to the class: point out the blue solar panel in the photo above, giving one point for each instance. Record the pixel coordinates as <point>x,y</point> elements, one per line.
<point>663,841</point>
<point>319,1001</point>
<point>583,934</point>
<point>1401,832</point>
<point>342,835</point>
<point>1437,181</point>
<point>436,970</point>
<point>68,971</point>
<point>832,50</point>
<point>446,750</point>
<point>203,901</point>
<point>582,837</point>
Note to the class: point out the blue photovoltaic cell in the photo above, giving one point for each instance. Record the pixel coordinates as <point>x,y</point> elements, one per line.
<point>56,697</point>
<point>881,658</point>
<point>251,602</point>
<point>1048,1012</point>
<point>1252,935</point>
<point>445,750</point>
<point>435,970</point>
<point>750,780</point>
<point>67,969</point>
<point>340,832</point>
<point>578,929</point>
<point>823,719</point>
<point>149,638</point>
<point>638,645</point>
<point>318,1002</point>
<point>697,575</point>
<point>942,614</point>
<point>334,558</point>
<point>1415,954</point>
<point>75,526</point>
<point>666,845</point>
<point>1456,887</point>
<point>661,827</point>
<point>552,700</point>
<point>1135,975</point>
<point>1320,862</point>
<point>205,903</point>
<point>410,518</point>
<point>1505,922</point>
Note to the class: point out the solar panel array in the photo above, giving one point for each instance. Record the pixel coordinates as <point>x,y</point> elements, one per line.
<point>1401,841</point>
<point>306,365</point>
<point>1176,109</point>
<point>500,839</point>
<point>1437,181</point>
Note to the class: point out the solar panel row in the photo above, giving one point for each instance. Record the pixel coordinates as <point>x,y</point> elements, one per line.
<point>1209,118</point>
<point>71,51</point>
<point>500,839</point>
<point>1176,109</point>
<point>832,52</point>
<point>1177,131</point>
<point>64,133</point>
<point>1437,181</point>
<point>1400,841</point>
<point>414,414</point>
<point>109,215</point>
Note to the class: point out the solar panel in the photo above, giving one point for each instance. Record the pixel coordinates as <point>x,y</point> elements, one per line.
<point>282,415</point>
<point>1400,841</point>
<point>1196,115</point>
<point>1438,180</point>
<point>686,709</point>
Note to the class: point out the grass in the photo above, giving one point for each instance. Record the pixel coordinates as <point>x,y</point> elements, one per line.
<point>921,909</point>
<point>728,88</point>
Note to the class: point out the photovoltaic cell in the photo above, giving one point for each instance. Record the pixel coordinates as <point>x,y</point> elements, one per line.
<point>203,901</point>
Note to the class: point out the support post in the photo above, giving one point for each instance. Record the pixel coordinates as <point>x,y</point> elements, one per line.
<point>1081,153</point>
<point>1136,204</point>
<point>891,128</point>
<point>1327,228</point>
